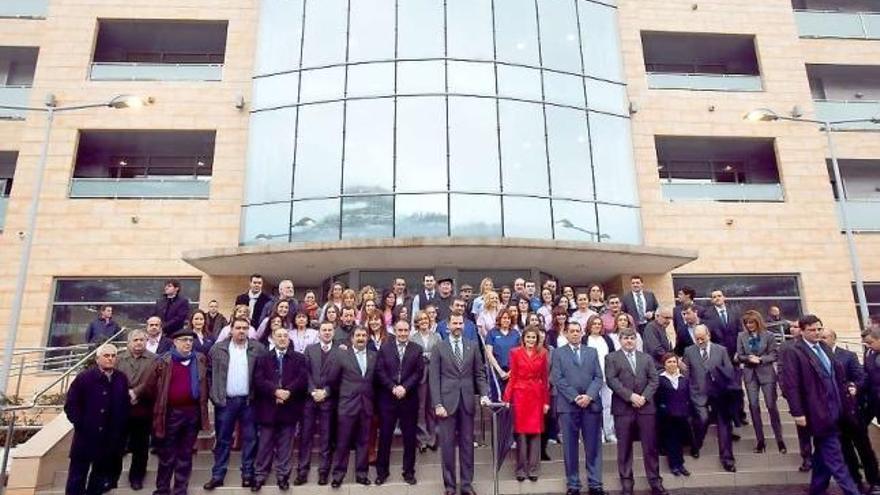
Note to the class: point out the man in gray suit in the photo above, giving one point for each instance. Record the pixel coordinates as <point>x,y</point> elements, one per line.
<point>456,375</point>
<point>352,374</point>
<point>711,376</point>
<point>633,379</point>
<point>577,376</point>
<point>657,340</point>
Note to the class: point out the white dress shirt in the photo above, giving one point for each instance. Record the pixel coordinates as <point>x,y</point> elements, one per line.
<point>237,376</point>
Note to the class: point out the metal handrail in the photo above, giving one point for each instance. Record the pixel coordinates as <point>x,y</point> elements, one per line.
<point>33,401</point>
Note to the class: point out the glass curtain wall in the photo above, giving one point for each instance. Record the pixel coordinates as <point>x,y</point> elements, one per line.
<point>434,118</point>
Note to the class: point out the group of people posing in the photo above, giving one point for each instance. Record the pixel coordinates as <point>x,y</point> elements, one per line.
<point>302,379</point>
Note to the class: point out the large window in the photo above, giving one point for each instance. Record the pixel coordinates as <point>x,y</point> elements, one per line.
<point>77,302</point>
<point>872,295</point>
<point>745,292</point>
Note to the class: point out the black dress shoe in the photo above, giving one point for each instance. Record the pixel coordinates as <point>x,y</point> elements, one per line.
<point>336,483</point>
<point>597,491</point>
<point>683,470</point>
<point>380,480</point>
<point>363,480</point>
<point>520,478</point>
<point>301,480</point>
<point>781,447</point>
<point>735,437</point>
<point>211,484</point>
<point>409,479</point>
<point>695,453</point>
<point>572,491</point>
<point>246,482</point>
<point>468,492</point>
<point>659,491</point>
<point>423,449</point>
<point>136,485</point>
<point>545,456</point>
<point>322,479</point>
<point>730,467</point>
<point>533,478</point>
<point>805,466</point>
<point>760,448</point>
<point>675,472</point>
<point>256,486</point>
<point>283,485</point>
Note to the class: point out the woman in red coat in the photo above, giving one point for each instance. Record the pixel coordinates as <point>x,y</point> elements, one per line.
<point>528,391</point>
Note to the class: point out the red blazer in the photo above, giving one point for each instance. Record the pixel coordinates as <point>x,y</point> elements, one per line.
<point>528,389</point>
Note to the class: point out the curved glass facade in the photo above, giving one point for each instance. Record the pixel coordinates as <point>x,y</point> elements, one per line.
<point>401,118</point>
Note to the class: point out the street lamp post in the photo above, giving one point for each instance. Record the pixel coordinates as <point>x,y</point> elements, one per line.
<point>594,236</point>
<point>50,109</point>
<point>767,115</point>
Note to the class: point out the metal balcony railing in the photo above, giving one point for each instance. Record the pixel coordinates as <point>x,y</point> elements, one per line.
<point>836,24</point>
<point>863,215</point>
<point>704,81</point>
<point>142,71</point>
<point>15,96</point>
<point>141,188</point>
<point>718,191</point>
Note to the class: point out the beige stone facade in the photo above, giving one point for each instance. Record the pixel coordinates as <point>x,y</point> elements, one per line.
<point>134,238</point>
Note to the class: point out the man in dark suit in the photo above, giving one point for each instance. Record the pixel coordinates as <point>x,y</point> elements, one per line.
<point>98,406</point>
<point>255,299</point>
<point>854,440</point>
<point>353,375</point>
<point>657,340</point>
<point>815,389</point>
<point>725,324</point>
<point>577,376</point>
<point>319,408</point>
<point>280,382</point>
<point>711,373</point>
<point>428,295</point>
<point>157,342</point>
<point>805,443</point>
<point>633,379</point>
<point>872,371</point>
<point>399,370</point>
<point>686,296</point>
<point>455,376</point>
<point>172,307</point>
<point>639,303</point>
<point>690,316</point>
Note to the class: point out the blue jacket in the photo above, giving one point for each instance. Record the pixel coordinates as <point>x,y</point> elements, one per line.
<point>469,332</point>
<point>99,331</point>
<point>571,379</point>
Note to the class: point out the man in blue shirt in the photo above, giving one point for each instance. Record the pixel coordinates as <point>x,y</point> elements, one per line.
<point>470,329</point>
<point>103,327</point>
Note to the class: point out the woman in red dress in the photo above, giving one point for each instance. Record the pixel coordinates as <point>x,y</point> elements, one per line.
<point>528,391</point>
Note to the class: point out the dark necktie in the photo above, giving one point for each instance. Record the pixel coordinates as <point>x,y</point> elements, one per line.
<point>704,354</point>
<point>577,354</point>
<point>280,365</point>
<point>456,349</point>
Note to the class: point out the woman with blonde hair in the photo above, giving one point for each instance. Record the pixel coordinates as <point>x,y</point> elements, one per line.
<point>426,337</point>
<point>486,318</point>
<point>756,351</point>
<point>334,298</point>
<point>486,286</point>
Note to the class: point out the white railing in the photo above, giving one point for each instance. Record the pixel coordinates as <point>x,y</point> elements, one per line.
<point>140,71</point>
<point>723,192</point>
<point>836,24</point>
<point>140,188</point>
<point>16,96</point>
<point>706,82</point>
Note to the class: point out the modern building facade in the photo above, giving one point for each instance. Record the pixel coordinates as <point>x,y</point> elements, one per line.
<point>355,139</point>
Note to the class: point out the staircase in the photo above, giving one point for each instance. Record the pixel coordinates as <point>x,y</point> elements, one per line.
<point>771,468</point>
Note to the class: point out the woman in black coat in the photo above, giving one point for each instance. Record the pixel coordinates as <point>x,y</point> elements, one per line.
<point>673,407</point>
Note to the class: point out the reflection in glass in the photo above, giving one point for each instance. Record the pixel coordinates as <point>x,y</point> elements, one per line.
<point>519,82</point>
<point>475,215</point>
<point>324,40</point>
<point>370,216</point>
<point>279,38</point>
<point>560,43</point>
<point>469,28</point>
<point>369,146</point>
<point>371,79</point>
<point>420,29</point>
<point>420,78</point>
<point>568,143</point>
<point>612,159</point>
<point>516,32</point>
<point>527,217</point>
<point>270,156</point>
<point>319,151</point>
<point>267,223</point>
<point>523,152</point>
<point>421,144</point>
<point>371,30</point>
<point>422,215</point>
<point>600,41</point>
<point>563,89</point>
<point>322,84</point>
<point>315,220</point>
<point>276,91</point>
<point>473,145</point>
<point>471,78</point>
<point>574,221</point>
<point>607,97</point>
<point>621,225</point>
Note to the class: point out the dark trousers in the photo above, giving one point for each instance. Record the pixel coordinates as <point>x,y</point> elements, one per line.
<point>315,420</point>
<point>389,416</point>
<point>138,441</point>
<point>353,430</point>
<point>723,415</point>
<point>276,443</point>
<point>456,431</point>
<point>88,476</point>
<point>586,426</point>
<point>627,428</point>
<point>236,409</point>
<point>857,452</point>
<point>805,443</point>
<point>176,450</point>
<point>770,399</point>
<point>828,463</point>
<point>674,432</point>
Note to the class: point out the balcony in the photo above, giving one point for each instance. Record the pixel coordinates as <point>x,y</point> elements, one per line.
<point>7,172</point>
<point>695,168</point>
<point>154,50</point>
<point>17,67</point>
<point>143,164</point>
<point>702,62</point>
<point>24,9</point>
<point>846,92</point>
<point>15,96</point>
<point>863,216</point>
<point>861,189</point>
<point>4,203</point>
<point>837,24</point>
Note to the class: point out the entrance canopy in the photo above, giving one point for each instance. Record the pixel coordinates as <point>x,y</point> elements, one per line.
<point>312,262</point>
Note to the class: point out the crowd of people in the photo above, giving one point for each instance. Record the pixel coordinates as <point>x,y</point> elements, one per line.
<point>289,378</point>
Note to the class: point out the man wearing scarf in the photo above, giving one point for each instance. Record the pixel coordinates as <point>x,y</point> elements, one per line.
<point>179,381</point>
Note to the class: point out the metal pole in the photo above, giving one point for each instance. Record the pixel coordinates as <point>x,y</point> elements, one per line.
<point>10,431</point>
<point>24,262</point>
<point>847,229</point>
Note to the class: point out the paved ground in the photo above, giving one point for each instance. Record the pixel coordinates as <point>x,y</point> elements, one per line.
<point>752,490</point>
